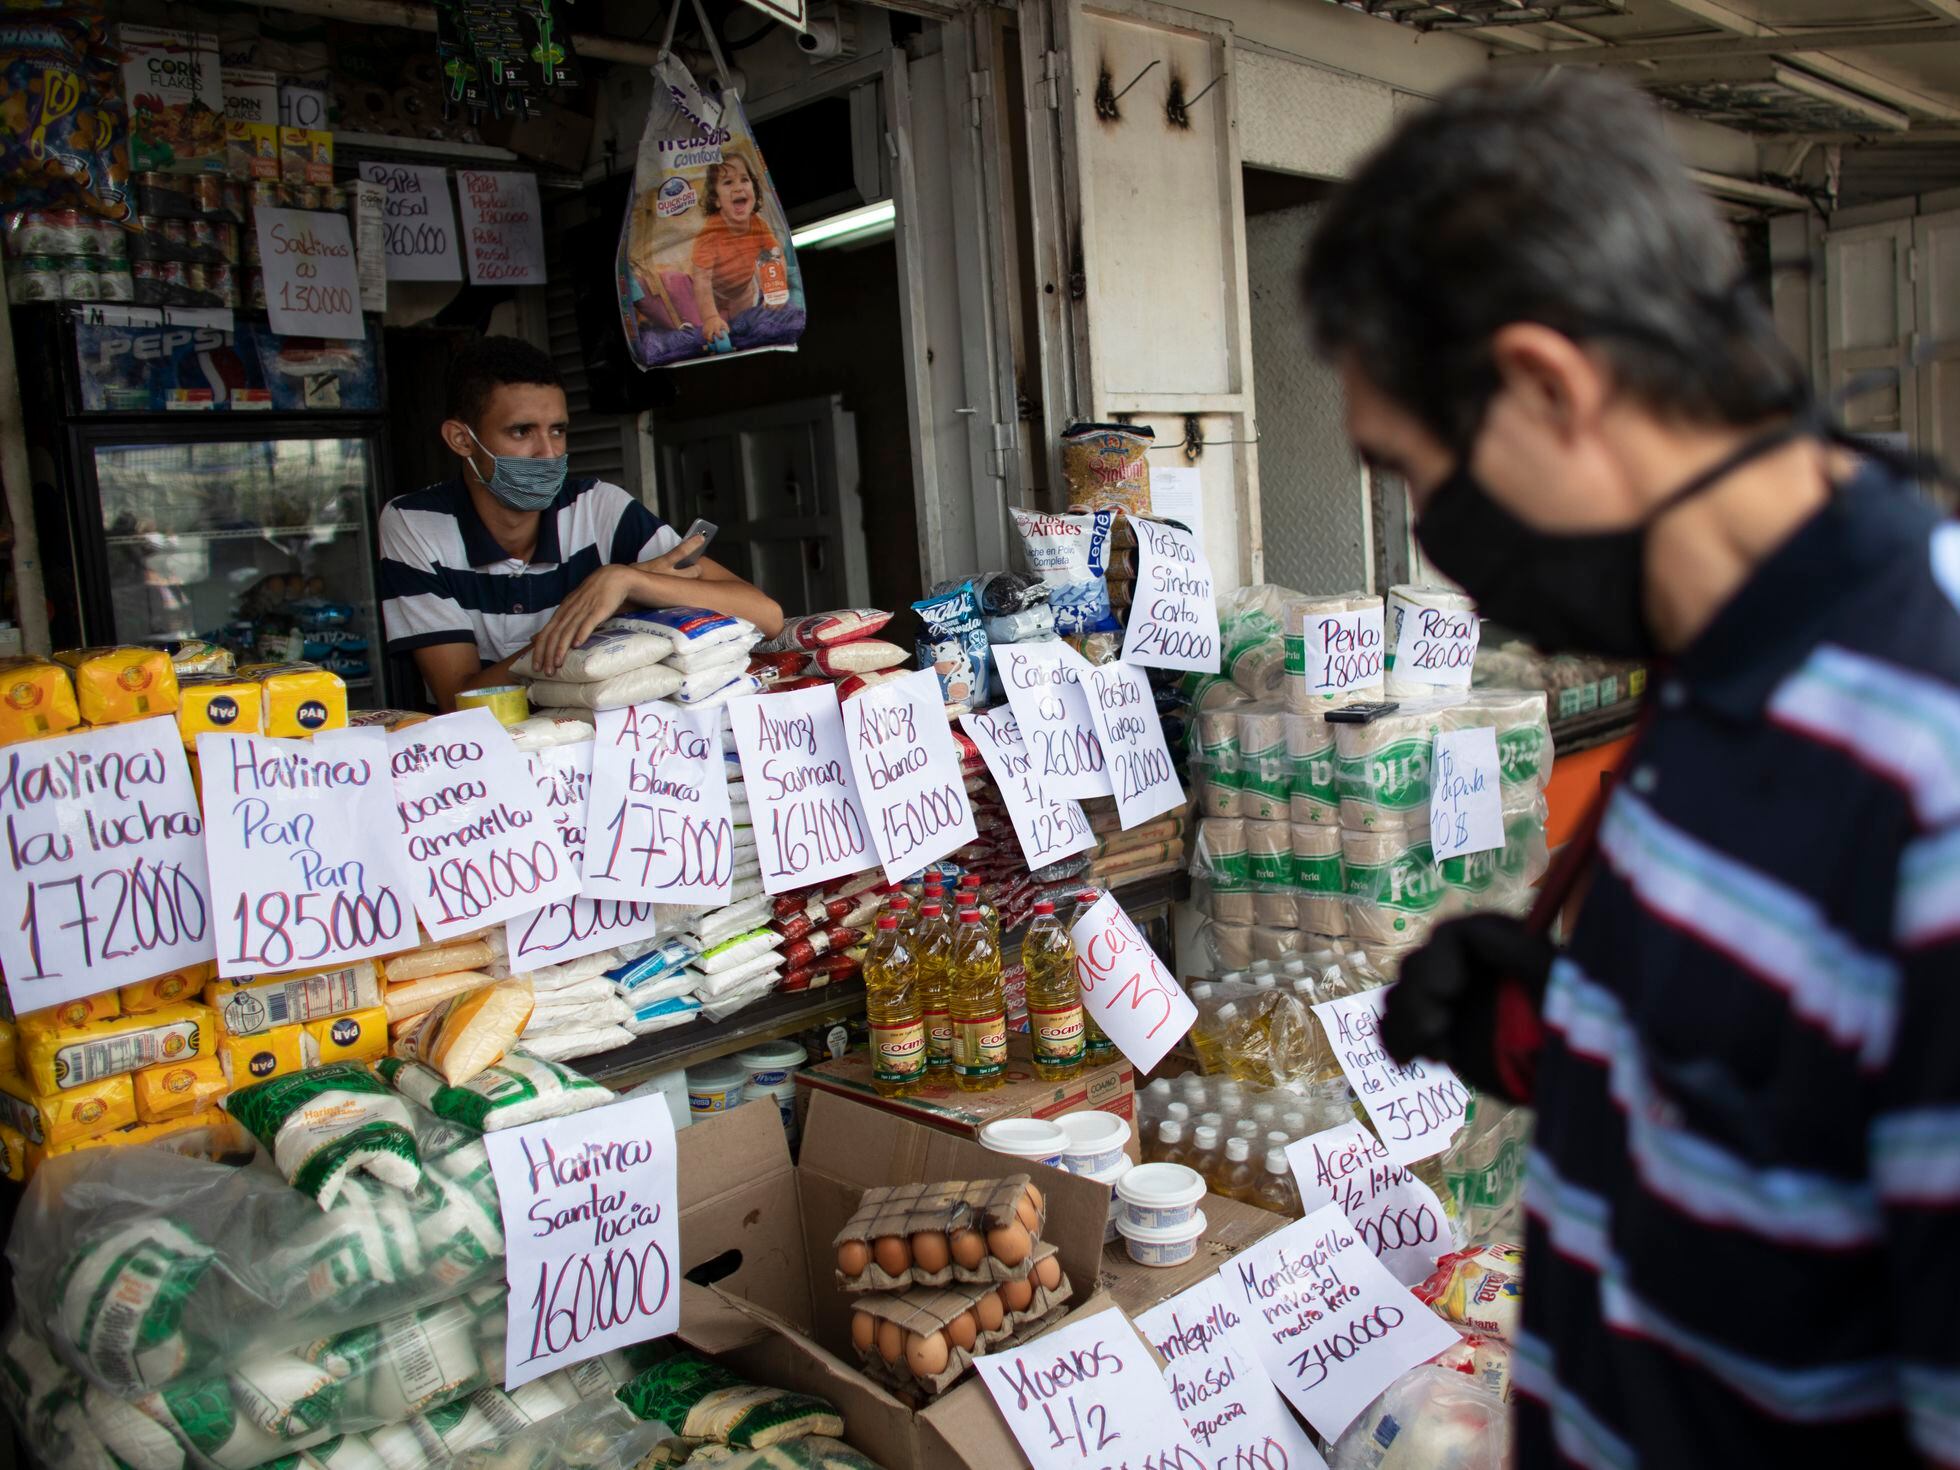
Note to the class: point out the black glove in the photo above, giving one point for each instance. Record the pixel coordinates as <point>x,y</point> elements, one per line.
<point>1470,998</point>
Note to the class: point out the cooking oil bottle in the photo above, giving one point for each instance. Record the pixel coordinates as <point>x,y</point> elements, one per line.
<point>1054,1004</point>
<point>1245,1045</point>
<point>899,905</point>
<point>932,959</point>
<point>972,898</point>
<point>891,1003</point>
<point>1236,1178</point>
<point>1096,1047</point>
<point>1206,1156</point>
<point>1276,1190</point>
<point>979,1009</point>
<point>1172,1146</point>
<point>1205,1038</point>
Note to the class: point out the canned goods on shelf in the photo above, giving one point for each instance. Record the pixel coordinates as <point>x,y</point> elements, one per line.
<point>80,280</point>
<point>197,276</point>
<point>176,235</point>
<point>35,235</point>
<point>72,236</point>
<point>173,274</point>
<point>210,192</point>
<point>113,239</point>
<point>36,278</point>
<point>234,199</point>
<point>117,284</point>
<point>255,289</point>
<point>222,282</point>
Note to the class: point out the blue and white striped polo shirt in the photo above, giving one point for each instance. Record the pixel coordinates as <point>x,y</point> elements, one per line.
<point>444,578</point>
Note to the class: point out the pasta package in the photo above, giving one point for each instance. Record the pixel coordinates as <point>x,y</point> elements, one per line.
<point>54,1058</point>
<point>96,1108</point>
<point>116,685</point>
<point>36,698</point>
<point>218,704</point>
<point>262,1055</point>
<point>299,700</point>
<point>249,1004</point>
<point>178,1089</point>
<point>1107,465</point>
<point>159,991</point>
<point>359,1036</point>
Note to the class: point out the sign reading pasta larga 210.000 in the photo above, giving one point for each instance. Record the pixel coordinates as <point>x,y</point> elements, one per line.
<point>102,877</point>
<point>1125,988</point>
<point>477,841</point>
<point>809,823</point>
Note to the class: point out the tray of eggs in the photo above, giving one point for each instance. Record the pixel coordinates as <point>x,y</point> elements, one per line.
<point>976,1234</point>
<point>925,1338</point>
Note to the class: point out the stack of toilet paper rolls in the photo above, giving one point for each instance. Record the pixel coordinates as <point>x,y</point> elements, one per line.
<point>1305,616</point>
<point>1431,640</point>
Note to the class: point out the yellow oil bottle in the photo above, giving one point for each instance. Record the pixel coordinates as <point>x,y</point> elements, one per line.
<point>1276,1190</point>
<point>1206,1039</point>
<point>1245,1045</point>
<point>978,1007</point>
<point>1236,1178</point>
<point>972,898</point>
<point>932,958</point>
<point>1172,1146</point>
<point>1054,1003</point>
<point>891,1004</point>
<point>1206,1156</point>
<point>1096,1047</point>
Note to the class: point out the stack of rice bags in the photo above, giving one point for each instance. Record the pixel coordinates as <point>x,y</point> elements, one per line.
<point>823,929</point>
<point>837,648</point>
<point>689,655</point>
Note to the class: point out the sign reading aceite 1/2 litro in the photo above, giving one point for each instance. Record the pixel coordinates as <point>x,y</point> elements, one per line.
<point>312,280</point>
<point>803,799</point>
<point>102,872</point>
<point>1132,739</point>
<point>1416,1109</point>
<point>1125,987</point>
<point>1174,618</point>
<point>1049,828</point>
<point>297,838</point>
<point>1043,683</point>
<point>908,773</point>
<point>1399,1217</point>
<point>591,1234</point>
<point>660,807</point>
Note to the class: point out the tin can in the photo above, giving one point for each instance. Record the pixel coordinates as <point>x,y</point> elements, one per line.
<point>170,195</point>
<point>255,289</point>
<point>35,235</point>
<point>204,240</point>
<point>36,278</point>
<point>234,200</point>
<point>266,195</point>
<point>197,276</point>
<point>69,236</point>
<point>210,189</point>
<point>79,279</point>
<point>117,284</point>
<point>508,702</point>
<point>306,196</point>
<point>252,246</point>
<point>113,239</point>
<point>174,277</point>
<point>176,238</point>
<point>222,282</point>
<point>333,199</point>
<point>227,242</point>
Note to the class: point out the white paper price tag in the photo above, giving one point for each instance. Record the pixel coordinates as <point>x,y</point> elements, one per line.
<point>591,1232</point>
<point>660,813</point>
<point>571,929</point>
<point>1344,651</point>
<point>1044,690</point>
<point>102,876</point>
<point>1432,645</point>
<point>503,226</point>
<point>1049,828</point>
<point>1466,808</point>
<point>1125,987</point>
<point>312,280</point>
<point>1416,1109</point>
<point>297,837</point>
<point>1174,619</point>
<point>1398,1216</point>
<point>1329,1325</point>
<point>419,222</point>
<point>803,799</point>
<point>1132,738</point>
<point>908,773</point>
<point>1088,1394</point>
<point>477,841</point>
<point>1231,1409</point>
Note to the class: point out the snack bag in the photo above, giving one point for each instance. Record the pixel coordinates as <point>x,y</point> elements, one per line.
<point>36,698</point>
<point>64,132</point>
<point>1071,552</point>
<point>953,644</point>
<point>1480,1289</point>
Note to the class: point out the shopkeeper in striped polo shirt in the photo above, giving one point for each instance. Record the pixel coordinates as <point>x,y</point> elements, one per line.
<point>511,554</point>
<point>1743,1191</point>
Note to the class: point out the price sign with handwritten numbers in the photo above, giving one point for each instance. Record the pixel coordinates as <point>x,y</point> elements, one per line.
<point>1125,987</point>
<point>796,769</point>
<point>1344,651</point>
<point>1416,1109</point>
<point>591,1232</point>
<point>418,221</point>
<point>1398,1216</point>
<point>1174,618</point>
<point>1436,646</point>
<point>908,773</point>
<point>571,929</point>
<point>1231,1409</point>
<point>477,841</point>
<point>1326,1321</point>
<point>503,227</point>
<point>662,827</point>
<point>1089,1395</point>
<point>297,838</point>
<point>1044,689</point>
<point>1132,738</point>
<point>1466,806</point>
<point>102,869</point>
<point>312,280</point>
<point>1049,828</point>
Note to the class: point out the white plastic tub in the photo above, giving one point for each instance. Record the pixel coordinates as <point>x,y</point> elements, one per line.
<point>1033,1139</point>
<point>1168,1247</point>
<point>1160,1196</point>
<point>1096,1140</point>
<point>1113,1176</point>
<point>770,1063</point>
<point>715,1087</point>
<point>783,1095</point>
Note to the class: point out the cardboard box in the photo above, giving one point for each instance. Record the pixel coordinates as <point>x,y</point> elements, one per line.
<point>1110,1088</point>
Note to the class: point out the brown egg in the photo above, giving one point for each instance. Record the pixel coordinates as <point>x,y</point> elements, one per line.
<point>964,1331</point>
<point>929,1251</point>
<point>864,1331</point>
<point>891,1341</point>
<point>969,1248</point>
<point>988,1313</point>
<point>852,1257</point>
<point>891,1254</point>
<point>1016,1296</point>
<point>1048,1273</point>
<point>1010,1244</point>
<point>926,1355</point>
<point>1028,1215</point>
<point>1033,1197</point>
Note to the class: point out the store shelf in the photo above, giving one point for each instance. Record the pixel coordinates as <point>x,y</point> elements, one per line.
<point>700,1041</point>
<point>1596,727</point>
<point>250,533</point>
<point>351,143</point>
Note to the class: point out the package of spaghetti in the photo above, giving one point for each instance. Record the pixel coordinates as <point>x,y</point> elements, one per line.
<point>54,1057</point>
<point>820,630</point>
<point>252,1003</point>
<point>323,1123</point>
<point>518,1090</point>
<point>461,1036</point>
<point>36,698</point>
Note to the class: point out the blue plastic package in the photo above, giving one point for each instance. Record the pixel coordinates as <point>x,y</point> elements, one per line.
<point>1071,554</point>
<point>953,644</point>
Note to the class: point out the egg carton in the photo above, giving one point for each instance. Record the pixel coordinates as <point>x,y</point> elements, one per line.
<point>978,1232</point>
<point>922,1324</point>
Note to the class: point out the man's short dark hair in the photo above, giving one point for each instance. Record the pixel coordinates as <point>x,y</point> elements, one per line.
<point>487,364</point>
<point>1550,198</point>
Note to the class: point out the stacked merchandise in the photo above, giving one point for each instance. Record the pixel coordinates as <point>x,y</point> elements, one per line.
<point>836,648</point>
<point>1146,851</point>
<point>690,655</point>
<point>1575,685</point>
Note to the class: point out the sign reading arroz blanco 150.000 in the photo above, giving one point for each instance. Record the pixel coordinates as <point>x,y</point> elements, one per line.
<point>908,773</point>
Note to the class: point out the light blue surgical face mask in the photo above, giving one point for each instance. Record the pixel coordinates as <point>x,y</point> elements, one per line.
<point>521,482</point>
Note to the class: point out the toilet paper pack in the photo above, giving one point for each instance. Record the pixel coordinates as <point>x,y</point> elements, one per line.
<point>1432,640</point>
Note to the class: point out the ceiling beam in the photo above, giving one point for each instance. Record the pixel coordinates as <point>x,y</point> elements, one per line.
<point>1787,43</point>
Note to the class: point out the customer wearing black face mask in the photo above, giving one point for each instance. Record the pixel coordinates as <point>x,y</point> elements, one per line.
<point>1743,1193</point>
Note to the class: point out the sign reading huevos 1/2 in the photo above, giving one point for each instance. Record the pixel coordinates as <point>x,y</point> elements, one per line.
<point>1132,739</point>
<point>1043,682</point>
<point>312,280</point>
<point>478,844</point>
<point>803,799</point>
<point>1049,828</point>
<point>1125,987</point>
<point>591,1233</point>
<point>660,804</point>
<point>1416,1109</point>
<point>296,834</point>
<point>102,872</point>
<point>1174,618</point>
<point>908,773</point>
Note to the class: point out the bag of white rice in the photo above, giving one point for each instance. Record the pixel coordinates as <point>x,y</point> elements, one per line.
<point>557,977</point>
<point>636,686</point>
<point>864,656</point>
<point>691,630</point>
<point>321,1124</point>
<point>731,952</point>
<point>734,653</point>
<point>724,1006</point>
<point>713,987</point>
<point>541,732</point>
<point>558,1046</point>
<point>657,966</point>
<point>121,1302</point>
<point>735,688</point>
<point>611,650</point>
<point>698,686</point>
<point>466,1033</point>
<point>520,1089</point>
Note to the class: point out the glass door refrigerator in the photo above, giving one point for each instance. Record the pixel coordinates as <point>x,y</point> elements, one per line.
<point>205,482</point>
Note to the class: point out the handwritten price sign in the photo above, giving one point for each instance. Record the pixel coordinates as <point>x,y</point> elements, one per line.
<point>802,795</point>
<point>102,875</point>
<point>1230,1407</point>
<point>1049,828</point>
<point>566,930</point>
<point>1435,646</point>
<point>1044,690</point>
<point>504,226</point>
<point>660,798</point>
<point>908,773</point>
<point>592,1234</point>
<point>1328,1323</point>
<point>1133,742</point>
<point>418,221</point>
<point>1125,987</point>
<point>1088,1394</point>
<point>1174,619</point>
<point>312,280</point>
<point>1466,808</point>
<point>1416,1109</point>
<point>296,834</point>
<point>1398,1217</point>
<point>479,847</point>
<point>1344,651</point>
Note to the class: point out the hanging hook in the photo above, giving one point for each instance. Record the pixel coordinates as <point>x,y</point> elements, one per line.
<point>1207,87</point>
<point>1106,106</point>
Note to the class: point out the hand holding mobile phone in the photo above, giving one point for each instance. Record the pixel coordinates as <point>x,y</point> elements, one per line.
<point>706,531</point>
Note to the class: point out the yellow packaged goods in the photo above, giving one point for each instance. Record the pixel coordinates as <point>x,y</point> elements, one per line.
<point>80,1113</point>
<point>274,1053</point>
<point>199,657</point>
<point>8,1059</point>
<point>116,685</point>
<point>300,699</point>
<point>361,1036</point>
<point>447,959</point>
<point>36,698</point>
<point>467,1033</point>
<point>254,1003</point>
<point>13,1153</point>
<point>176,1089</point>
<point>54,1059</point>
<point>218,704</point>
<point>208,1134</point>
<point>420,995</point>
<point>104,1005</point>
<point>162,990</point>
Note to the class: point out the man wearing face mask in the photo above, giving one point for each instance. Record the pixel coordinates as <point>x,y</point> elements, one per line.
<point>1743,1192</point>
<point>511,555</point>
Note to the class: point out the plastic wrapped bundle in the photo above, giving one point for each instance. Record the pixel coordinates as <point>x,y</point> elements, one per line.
<point>1265,768</point>
<point>607,652</point>
<point>1319,879</point>
<point>1322,630</point>
<point>1313,797</point>
<point>1439,625</point>
<point>1428,1417</point>
<point>1381,769</point>
<point>1394,887</point>
<point>1524,735</point>
<point>1251,627</point>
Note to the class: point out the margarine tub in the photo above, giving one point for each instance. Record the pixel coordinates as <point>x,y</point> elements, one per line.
<point>1160,1196</point>
<point>1113,1176</point>
<point>1170,1245</point>
<point>770,1064</point>
<point>715,1087</point>
<point>1096,1141</point>
<point>1034,1139</point>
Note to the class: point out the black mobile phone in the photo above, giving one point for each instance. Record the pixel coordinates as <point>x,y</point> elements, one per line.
<point>706,531</point>
<point>1362,713</point>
